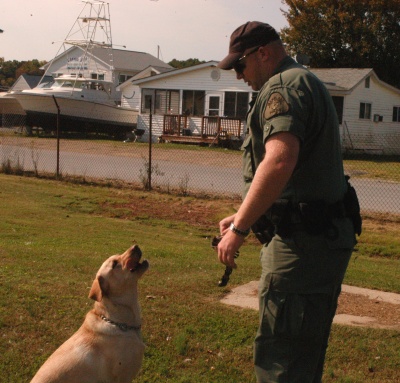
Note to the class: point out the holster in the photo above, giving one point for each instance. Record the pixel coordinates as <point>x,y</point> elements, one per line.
<point>314,217</point>
<point>352,207</point>
<point>263,229</point>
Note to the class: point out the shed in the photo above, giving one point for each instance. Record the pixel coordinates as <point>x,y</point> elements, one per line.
<point>26,81</point>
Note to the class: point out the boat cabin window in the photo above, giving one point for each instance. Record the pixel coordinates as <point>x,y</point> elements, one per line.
<point>46,85</point>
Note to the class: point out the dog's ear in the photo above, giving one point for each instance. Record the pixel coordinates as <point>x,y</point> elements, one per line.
<point>99,289</point>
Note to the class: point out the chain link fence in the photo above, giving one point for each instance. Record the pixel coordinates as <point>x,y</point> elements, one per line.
<point>143,157</point>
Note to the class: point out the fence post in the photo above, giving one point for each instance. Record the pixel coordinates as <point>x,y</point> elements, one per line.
<point>150,148</point>
<point>58,138</point>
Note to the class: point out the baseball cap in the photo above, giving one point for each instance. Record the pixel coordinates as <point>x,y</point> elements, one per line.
<point>247,37</point>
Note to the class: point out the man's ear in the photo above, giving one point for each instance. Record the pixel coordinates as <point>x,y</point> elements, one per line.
<point>263,53</point>
<point>99,289</point>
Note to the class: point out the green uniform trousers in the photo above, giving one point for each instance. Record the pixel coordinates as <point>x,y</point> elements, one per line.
<point>298,292</point>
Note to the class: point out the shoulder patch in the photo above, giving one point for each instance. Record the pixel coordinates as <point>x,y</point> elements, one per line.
<point>276,105</point>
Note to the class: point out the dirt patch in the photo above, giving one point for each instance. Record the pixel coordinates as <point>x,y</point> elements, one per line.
<point>381,314</point>
<point>357,306</point>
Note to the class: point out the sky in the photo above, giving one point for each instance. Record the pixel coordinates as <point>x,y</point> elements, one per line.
<point>168,29</point>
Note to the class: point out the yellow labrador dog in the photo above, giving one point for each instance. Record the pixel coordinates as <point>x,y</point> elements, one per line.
<point>108,347</point>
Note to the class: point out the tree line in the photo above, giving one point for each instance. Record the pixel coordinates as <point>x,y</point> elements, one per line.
<point>11,70</point>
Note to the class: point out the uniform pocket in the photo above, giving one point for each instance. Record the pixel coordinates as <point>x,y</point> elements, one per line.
<point>283,314</point>
<point>295,316</point>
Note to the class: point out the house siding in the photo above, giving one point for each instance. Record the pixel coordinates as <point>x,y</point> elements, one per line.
<point>69,63</point>
<point>368,134</point>
<point>20,84</point>
<point>130,97</point>
<point>210,79</point>
<point>200,80</point>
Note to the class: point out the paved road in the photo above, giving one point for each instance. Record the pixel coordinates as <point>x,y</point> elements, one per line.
<point>374,195</point>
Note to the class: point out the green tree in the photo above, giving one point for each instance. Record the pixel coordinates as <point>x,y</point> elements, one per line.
<point>11,70</point>
<point>178,64</point>
<point>7,72</point>
<point>31,67</point>
<point>346,33</point>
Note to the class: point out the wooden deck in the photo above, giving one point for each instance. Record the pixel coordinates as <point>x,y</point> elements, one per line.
<point>218,131</point>
<point>193,139</point>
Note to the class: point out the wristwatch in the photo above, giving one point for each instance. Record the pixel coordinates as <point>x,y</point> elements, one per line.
<point>242,233</point>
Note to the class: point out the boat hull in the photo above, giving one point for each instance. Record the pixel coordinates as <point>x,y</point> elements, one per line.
<point>76,115</point>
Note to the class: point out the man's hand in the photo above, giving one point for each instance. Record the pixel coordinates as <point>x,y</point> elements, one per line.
<point>228,246</point>
<point>225,223</point>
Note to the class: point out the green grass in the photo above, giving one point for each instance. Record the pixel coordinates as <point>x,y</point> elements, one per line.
<point>378,167</point>
<point>55,235</point>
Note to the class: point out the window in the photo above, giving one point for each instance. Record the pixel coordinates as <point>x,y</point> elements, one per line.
<point>213,106</point>
<point>365,111</point>
<point>160,101</point>
<point>396,114</point>
<point>96,76</point>
<point>147,101</point>
<point>236,104</point>
<point>123,77</point>
<point>367,82</point>
<point>193,103</point>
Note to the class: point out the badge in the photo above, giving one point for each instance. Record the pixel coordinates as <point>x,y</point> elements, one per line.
<point>276,105</point>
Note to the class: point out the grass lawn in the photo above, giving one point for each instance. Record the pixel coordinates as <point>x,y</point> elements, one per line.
<point>55,235</point>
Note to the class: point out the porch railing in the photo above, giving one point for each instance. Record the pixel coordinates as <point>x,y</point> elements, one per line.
<point>175,124</point>
<point>222,127</point>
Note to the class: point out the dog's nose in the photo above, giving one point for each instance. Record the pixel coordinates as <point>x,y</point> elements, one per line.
<point>135,251</point>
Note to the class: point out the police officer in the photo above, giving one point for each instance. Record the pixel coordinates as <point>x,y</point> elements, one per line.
<point>293,171</point>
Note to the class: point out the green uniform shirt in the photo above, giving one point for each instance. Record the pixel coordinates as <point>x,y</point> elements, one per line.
<point>296,101</point>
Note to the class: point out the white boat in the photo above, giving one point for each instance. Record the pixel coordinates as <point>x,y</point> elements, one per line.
<point>83,104</point>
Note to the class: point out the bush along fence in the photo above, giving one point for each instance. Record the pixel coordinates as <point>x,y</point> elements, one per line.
<point>155,153</point>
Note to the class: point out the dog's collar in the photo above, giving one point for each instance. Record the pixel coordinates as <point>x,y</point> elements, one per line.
<point>122,326</point>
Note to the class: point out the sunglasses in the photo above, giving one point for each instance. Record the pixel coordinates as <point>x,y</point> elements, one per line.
<point>239,66</point>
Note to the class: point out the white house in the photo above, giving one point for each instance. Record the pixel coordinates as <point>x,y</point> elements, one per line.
<point>116,65</point>
<point>194,98</point>
<point>368,109</point>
